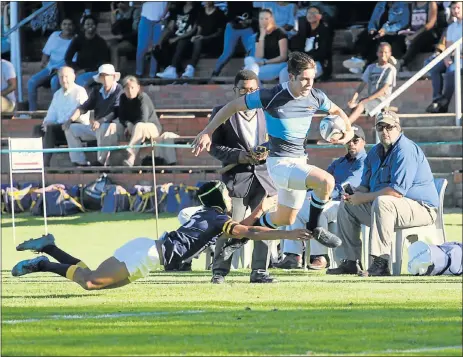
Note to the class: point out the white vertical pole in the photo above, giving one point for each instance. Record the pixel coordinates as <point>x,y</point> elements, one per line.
<point>458,86</point>
<point>16,47</point>
<point>44,199</point>
<point>155,189</point>
<point>11,192</point>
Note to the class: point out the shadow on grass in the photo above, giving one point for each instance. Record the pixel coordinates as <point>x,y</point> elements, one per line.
<point>26,220</point>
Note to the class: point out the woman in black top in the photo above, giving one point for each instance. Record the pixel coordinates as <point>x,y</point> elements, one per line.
<point>138,116</point>
<point>271,48</point>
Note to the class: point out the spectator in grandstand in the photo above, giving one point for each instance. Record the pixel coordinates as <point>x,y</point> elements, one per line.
<point>380,77</point>
<point>314,38</point>
<point>203,34</point>
<point>283,12</point>
<point>52,60</point>
<point>9,83</point>
<point>136,258</point>
<point>248,182</point>
<point>442,91</point>
<point>179,32</point>
<point>346,169</point>
<point>239,27</point>
<point>208,38</point>
<point>139,122</point>
<point>65,101</point>
<point>397,191</point>
<point>271,51</point>
<point>422,34</point>
<point>5,26</point>
<point>388,18</point>
<point>104,101</point>
<point>153,14</point>
<point>124,23</point>
<point>92,51</point>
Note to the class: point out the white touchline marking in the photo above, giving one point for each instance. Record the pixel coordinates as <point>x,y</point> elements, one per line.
<point>415,350</point>
<point>102,316</point>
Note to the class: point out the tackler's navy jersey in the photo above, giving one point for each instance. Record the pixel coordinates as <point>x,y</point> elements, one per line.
<point>194,236</point>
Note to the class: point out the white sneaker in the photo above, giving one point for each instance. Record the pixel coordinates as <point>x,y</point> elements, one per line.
<point>189,72</point>
<point>354,62</point>
<point>169,73</point>
<point>355,70</point>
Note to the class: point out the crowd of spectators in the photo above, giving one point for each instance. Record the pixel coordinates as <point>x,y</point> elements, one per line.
<point>172,37</point>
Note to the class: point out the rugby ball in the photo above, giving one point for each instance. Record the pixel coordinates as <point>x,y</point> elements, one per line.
<point>332,127</point>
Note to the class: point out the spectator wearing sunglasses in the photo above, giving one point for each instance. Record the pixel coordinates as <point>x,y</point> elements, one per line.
<point>380,77</point>
<point>397,191</point>
<point>248,182</point>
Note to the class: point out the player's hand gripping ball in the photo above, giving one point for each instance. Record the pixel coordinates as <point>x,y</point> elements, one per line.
<point>332,127</point>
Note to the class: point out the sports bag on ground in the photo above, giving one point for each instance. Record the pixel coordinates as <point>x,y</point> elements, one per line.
<point>92,193</point>
<point>430,259</point>
<point>59,202</point>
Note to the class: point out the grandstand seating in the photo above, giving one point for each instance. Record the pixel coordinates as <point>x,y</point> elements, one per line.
<point>184,109</point>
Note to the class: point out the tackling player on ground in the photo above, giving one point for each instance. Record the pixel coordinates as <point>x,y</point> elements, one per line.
<point>138,257</point>
<point>289,108</point>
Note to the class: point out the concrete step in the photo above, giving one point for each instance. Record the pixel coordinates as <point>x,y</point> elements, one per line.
<point>424,120</point>
<point>432,134</point>
<point>443,150</point>
<point>445,164</point>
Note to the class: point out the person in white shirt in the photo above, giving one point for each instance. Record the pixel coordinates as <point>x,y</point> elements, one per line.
<point>9,84</point>
<point>149,33</point>
<point>52,61</point>
<point>65,101</point>
<point>442,92</point>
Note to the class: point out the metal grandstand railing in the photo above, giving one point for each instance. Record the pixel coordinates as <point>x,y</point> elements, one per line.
<point>454,47</point>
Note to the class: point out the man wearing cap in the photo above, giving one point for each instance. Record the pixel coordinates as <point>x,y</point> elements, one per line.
<point>346,169</point>
<point>397,191</point>
<point>104,128</point>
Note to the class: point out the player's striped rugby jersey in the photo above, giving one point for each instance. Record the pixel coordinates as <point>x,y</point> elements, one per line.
<point>288,118</point>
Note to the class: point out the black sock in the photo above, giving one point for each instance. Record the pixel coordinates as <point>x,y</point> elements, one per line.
<point>59,255</point>
<point>56,268</point>
<point>316,207</point>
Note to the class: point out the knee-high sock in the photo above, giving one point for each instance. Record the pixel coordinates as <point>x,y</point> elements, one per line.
<point>316,207</point>
<point>62,256</point>
<point>265,221</point>
<point>65,270</point>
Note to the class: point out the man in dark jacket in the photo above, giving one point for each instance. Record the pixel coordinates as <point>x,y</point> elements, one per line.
<point>248,182</point>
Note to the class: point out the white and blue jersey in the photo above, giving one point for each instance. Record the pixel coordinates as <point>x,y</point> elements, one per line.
<point>288,118</point>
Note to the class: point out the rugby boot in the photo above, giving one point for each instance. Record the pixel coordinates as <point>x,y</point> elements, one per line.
<point>326,238</point>
<point>37,244</point>
<point>28,266</point>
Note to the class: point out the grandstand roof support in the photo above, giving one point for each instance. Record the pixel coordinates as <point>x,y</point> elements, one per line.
<point>16,48</point>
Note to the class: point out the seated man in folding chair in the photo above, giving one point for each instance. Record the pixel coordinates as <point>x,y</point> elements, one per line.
<point>136,258</point>
<point>347,170</point>
<point>397,191</point>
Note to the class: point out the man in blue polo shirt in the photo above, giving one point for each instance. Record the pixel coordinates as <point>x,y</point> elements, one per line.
<point>346,169</point>
<point>397,191</point>
<point>289,108</point>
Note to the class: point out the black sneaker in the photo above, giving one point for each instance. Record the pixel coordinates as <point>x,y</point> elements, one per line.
<point>261,276</point>
<point>291,261</point>
<point>185,267</point>
<point>379,267</point>
<point>328,239</point>
<point>347,267</point>
<point>218,279</point>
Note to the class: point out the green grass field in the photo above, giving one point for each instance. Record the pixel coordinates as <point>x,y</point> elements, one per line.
<point>307,313</point>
